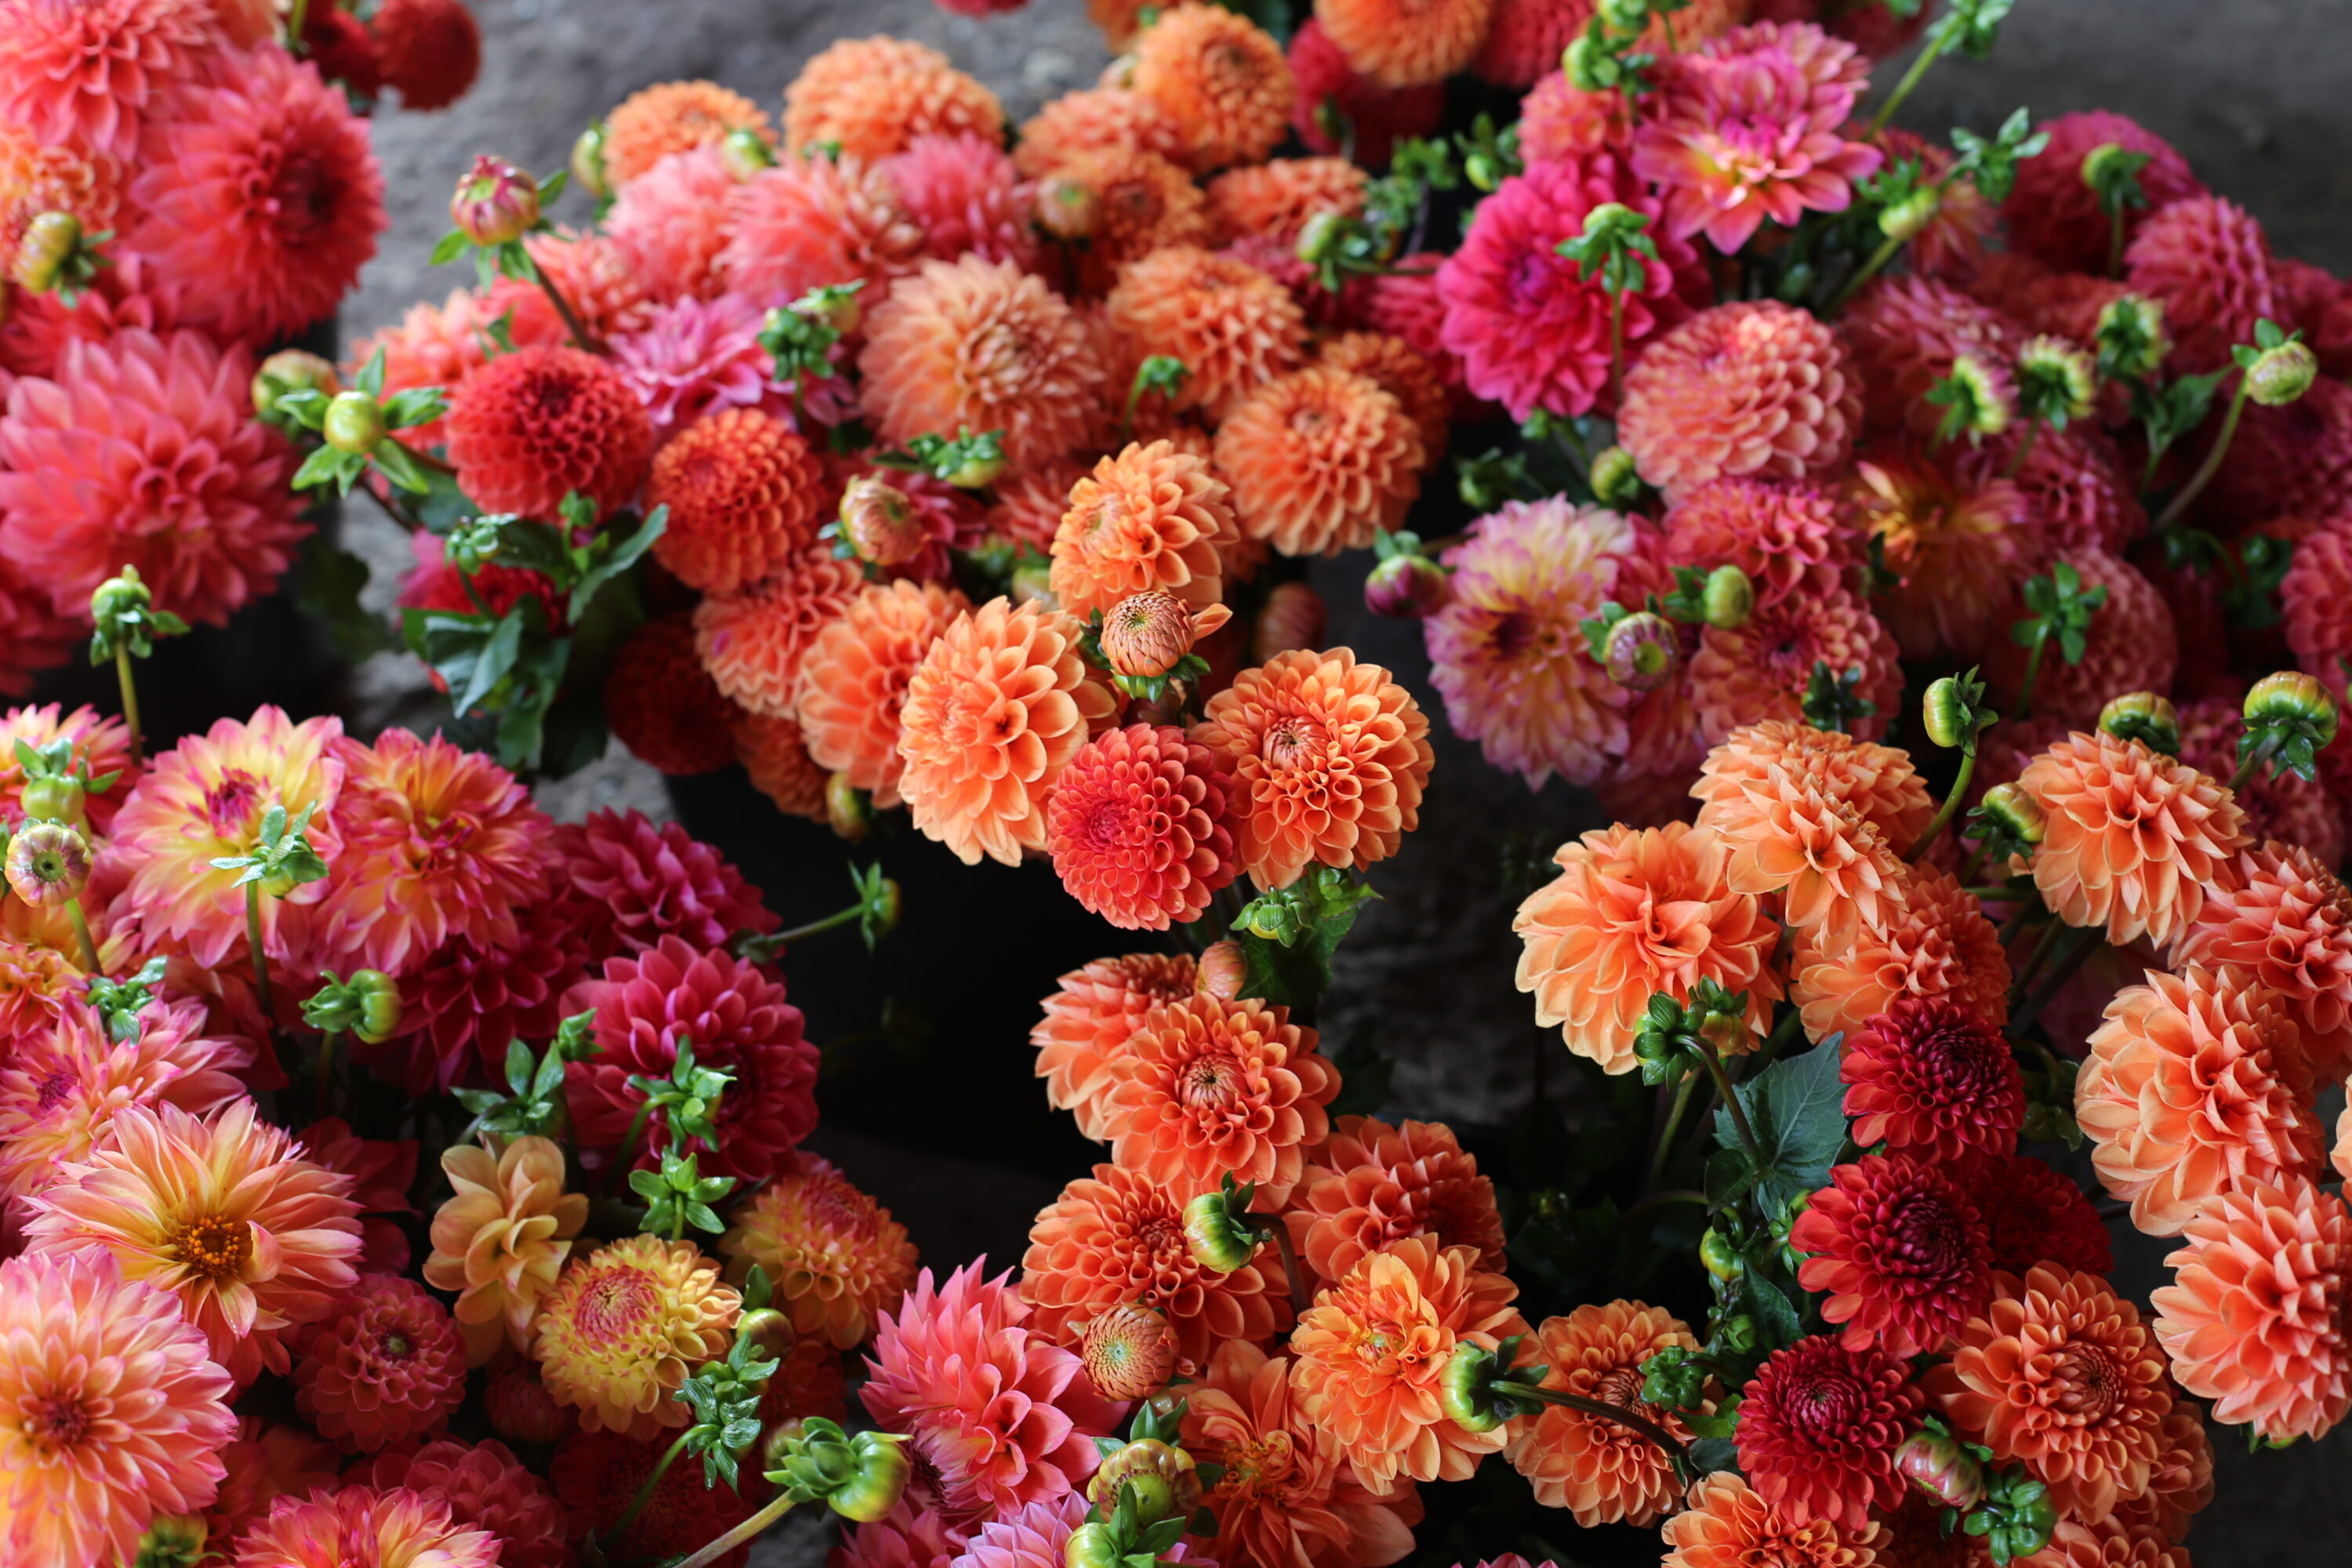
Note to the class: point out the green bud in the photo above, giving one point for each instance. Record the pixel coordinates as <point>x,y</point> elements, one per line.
<point>1718,1257</point>
<point>848,810</point>
<point>1904,220</point>
<point>1161,1478</point>
<point>1482,171</point>
<point>2057,380</point>
<point>2145,717</point>
<point>354,424</point>
<point>1944,713</point>
<point>52,799</point>
<point>173,1540</point>
<point>1641,652</point>
<point>1467,1391</point>
<point>2280,375</point>
<point>860,1478</point>
<point>1217,1231</point>
<point>379,1005</point>
<point>1730,598</point>
<point>746,152</point>
<point>2007,807</point>
<point>1589,66</point>
<point>1092,1546</point>
<point>1320,237</point>
<point>1626,17</point>
<point>291,370</point>
<point>2131,337</point>
<point>588,161</point>
<point>49,242</point>
<point>1739,1335</point>
<point>2291,697</point>
<point>1615,480</point>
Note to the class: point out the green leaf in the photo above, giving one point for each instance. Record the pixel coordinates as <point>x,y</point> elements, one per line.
<point>328,585</point>
<point>625,554</point>
<point>417,406</point>
<point>324,466</point>
<point>1708,1454</point>
<point>1364,1076</point>
<point>551,188</point>
<point>490,667</point>
<point>1774,1314</point>
<point>450,247</point>
<point>398,464</point>
<point>518,1066</point>
<point>1796,1108</point>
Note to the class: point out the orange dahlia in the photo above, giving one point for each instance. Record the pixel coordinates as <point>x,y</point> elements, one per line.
<point>501,1237</point>
<point>1372,1349</point>
<point>1405,373</point>
<point>1406,43</point>
<point>1331,756</point>
<point>2194,1085</point>
<point>1935,944</point>
<point>835,1258</point>
<point>2132,839</point>
<point>2105,1545</point>
<point>775,758</point>
<point>1221,77</point>
<point>1727,1524</point>
<point>2281,919</point>
<point>529,427</point>
<point>252,1238</point>
<point>998,707</point>
<point>1152,517</point>
<point>744,492</point>
<point>871,97</point>
<point>1955,550</point>
<point>362,1527</point>
<point>2058,1373</point>
<point>1140,202</point>
<point>2254,1319</point>
<point>1635,912</point>
<point>1898,1246</point>
<point>1877,781</point>
<point>1320,460</point>
<point>2180,1482</point>
<point>1140,828</point>
<point>1208,1087</point>
<point>1117,1239</point>
<point>1093,120</point>
<point>1232,326</point>
<point>754,638</point>
<point>1828,864</point>
<point>1082,1041</point>
<point>1275,200</point>
<point>855,675</point>
<point>1600,1471</point>
<point>674,117</point>
<point>1746,388</point>
<point>1372,1183</point>
<point>624,1326</point>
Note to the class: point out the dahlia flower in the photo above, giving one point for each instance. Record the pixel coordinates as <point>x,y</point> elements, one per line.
<point>2279,803</point>
<point>462,1004</point>
<point>485,1488</point>
<point>837,1262</point>
<point>624,1327</point>
<point>1082,1041</point>
<point>1877,781</point>
<point>646,881</point>
<point>1207,1087</point>
<point>2207,261</point>
<point>1937,945</point>
<point>967,198</point>
<point>431,49</point>
<point>1956,550</point>
<point>531,426</point>
<point>695,357</point>
<point>671,223</point>
<point>855,673</point>
<point>2180,1482</point>
<point>914,1534</point>
<point>2052,212</point>
<point>84,75</point>
<point>596,1475</point>
<point>500,1239</point>
<point>1831,866</point>
<point>2294,461</point>
<point>33,636</point>
<point>1234,327</point>
<point>2034,1213</point>
<point>1405,43</point>
<point>1372,1183</point>
<point>442,345</point>
<point>1152,517</point>
<point>1405,373</point>
<point>387,1367</point>
<point>1898,1247</point>
<point>745,495</point>
<point>2132,839</point>
<point>1746,388</point>
<point>811,222</point>
<point>1140,828</point>
<point>1727,1524</point>
<point>1221,79</point>
<point>1931,1074</point>
<point>2281,920</point>
<point>1135,202</point>
<point>265,1461</point>
<point>753,640</point>
<point>1819,1426</point>
<point>1275,200</point>
<point>661,704</point>
<point>1320,460</point>
<point>359,1525</point>
<point>2133,644</point>
<point>1600,1471</point>
<point>1095,120</point>
<point>1905,332</point>
<point>674,117</point>
<point>872,97</point>
<point>1783,536</point>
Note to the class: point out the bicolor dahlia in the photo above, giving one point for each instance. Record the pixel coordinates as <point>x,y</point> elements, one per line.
<point>1932,1075</point>
<point>694,357</point>
<point>252,1238</point>
<point>1372,1183</point>
<point>2133,838</point>
<point>1093,120</point>
<point>1082,1041</point>
<point>1600,1470</point>
<point>1727,1524</point>
<point>855,677</point>
<point>1819,1427</point>
<point>485,1488</point>
<point>2207,261</point>
<point>745,495</point>
<point>836,1259</point>
<point>1140,828</point>
<point>1153,516</point>
<point>1234,327</point>
<point>2132,645</point>
<point>143,451</point>
<point>1331,756</point>
<point>2052,213</point>
<point>1898,1247</point>
<point>813,221</point>
<point>387,1367</point>
<point>753,640</point>
<point>2058,1373</point>
<point>1221,79</point>
<point>1829,865</point>
<point>501,1237</point>
<point>597,1475</point>
<point>531,426</point>
<point>1320,460</point>
<point>671,223</point>
<point>1405,43</point>
<point>871,97</point>
<point>1905,332</point>
<point>362,1527</point>
<point>2281,920</point>
<point>1783,536</point>
<point>1955,550</point>
<point>1746,388</point>
<point>1635,912</point>
<point>651,1004</point>
<point>674,117</point>
<point>625,1326</point>
<point>1207,1087</point>
<point>1371,1351</point>
<point>2034,1213</point>
<point>647,881</point>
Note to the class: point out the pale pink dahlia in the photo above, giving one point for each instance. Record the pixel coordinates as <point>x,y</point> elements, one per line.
<point>1747,388</point>
<point>672,222</point>
<point>695,357</point>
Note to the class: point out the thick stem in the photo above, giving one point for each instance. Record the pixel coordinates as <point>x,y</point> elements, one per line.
<point>2087,942</point>
<point>2177,507</point>
<point>326,1068</point>
<point>1970,866</point>
<point>1302,1296</point>
<point>124,679</point>
<point>261,959</point>
<point>2023,978</point>
<point>1926,56</point>
<point>296,19</point>
<point>627,1156</point>
<point>572,323</point>
<point>81,937</point>
<point>1602,1408</point>
<point>2262,753</point>
<point>2116,242</point>
<point>645,1491</point>
<point>2033,675</point>
<point>741,1532</point>
<point>1868,270</point>
<point>1950,808</point>
<point>1714,1065</point>
<point>1663,1146</point>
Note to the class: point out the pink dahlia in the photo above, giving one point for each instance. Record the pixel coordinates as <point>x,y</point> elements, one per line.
<point>1905,332</point>
<point>642,881</point>
<point>387,1367</point>
<point>461,1005</point>
<point>812,221</point>
<point>486,1488</point>
<point>695,357</point>
<point>2294,462</point>
<point>2073,483</point>
<point>2052,212</point>
<point>1404,303</point>
<point>595,276</point>
<point>672,222</point>
<point>966,195</point>
<point>1758,671</point>
<point>1558,120</point>
<point>258,198</point>
<point>1531,333</point>
<point>1035,1535</point>
<point>80,73</point>
<point>143,451</point>
<point>738,1022</point>
<point>2131,646</point>
<point>1749,128</point>
<point>2207,261</point>
<point>1784,536</point>
<point>360,1527</point>
<point>33,636</point>
<point>1747,388</point>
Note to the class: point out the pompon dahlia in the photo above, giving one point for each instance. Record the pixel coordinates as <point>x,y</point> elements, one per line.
<point>1117,1239</point>
<point>143,451</point>
<point>1559,122</point>
<point>753,640</point>
<point>387,1367</point>
<point>257,199</point>
<point>1899,1249</point>
<point>1877,781</point>
<point>1819,1427</point>
<point>2280,920</point>
<point>463,1004</point>
<point>441,345</point>
<point>1142,202</point>
<point>812,221</point>
<point>596,1475</point>
<point>1905,331</point>
<point>1937,946</point>
<point>362,1527</point>
<point>1234,327</point>
<point>2074,484</point>
<point>647,881</point>
<point>1956,550</point>
<point>2254,1319</point>
<point>625,1326</point>
<point>1275,200</point>
<point>871,97</point>
<point>1727,1524</point>
<point>855,677</point>
<point>1320,460</point>
<point>1531,332</point>
<point>1095,120</point>
<point>2207,261</point>
<point>1784,536</point>
<point>1405,373</point>
<point>1759,672</point>
<point>252,1238</point>
<point>1406,43</point>
<point>984,344</point>
<point>1003,1416</point>
<point>1600,1471</point>
<point>1331,756</point>
<point>431,50</point>
<point>97,746</point>
<point>1931,1074</point>
<point>485,1488</point>
<point>115,1412</point>
<point>1374,116</point>
<point>500,1238</point>
<point>1372,1351</point>
<point>1082,1041</point>
<point>967,196</point>
<point>1221,77</point>
<point>835,1258</point>
<point>776,762</point>
<point>82,76</point>
<point>662,705</point>
<point>2294,462</point>
<point>996,711</point>
<point>1746,388</point>
<point>2058,1373</point>
<point>2052,213</point>
<point>744,493</point>
<point>2034,1213</point>
<point>1152,517</point>
<point>695,357</point>
<point>674,117</point>
<point>1207,1087</point>
<point>650,1003</point>
<point>1636,911</point>
<point>531,426</point>
<point>1140,828</point>
<point>2133,838</point>
<point>203,800</point>
<point>1404,303</point>
<point>671,223</point>
<point>2196,1085</point>
<point>1372,1183</point>
<point>2131,646</point>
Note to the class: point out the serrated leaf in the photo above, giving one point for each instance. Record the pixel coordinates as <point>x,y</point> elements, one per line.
<point>1711,1454</point>
<point>322,466</point>
<point>1796,1109</point>
<point>1774,1314</point>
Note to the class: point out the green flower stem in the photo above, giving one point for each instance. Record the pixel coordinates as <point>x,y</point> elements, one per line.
<point>2263,751</point>
<point>295,18</point>
<point>1868,270</point>
<point>645,1491</point>
<point>261,959</point>
<point>123,677</point>
<point>1607,1412</point>
<point>1663,1147</point>
<point>572,323</point>
<point>327,1068</point>
<point>2025,450</point>
<point>1926,56</point>
<point>1776,1041</point>
<point>1714,1065</point>
<point>741,1532</point>
<point>1659,1199</point>
<point>1948,810</point>
<point>81,936</point>
<point>2032,964</point>
<point>2032,676</point>
<point>840,918</point>
<point>2087,941</point>
<point>2016,922</point>
<point>1616,349</point>
<point>2179,506</point>
<point>1975,861</point>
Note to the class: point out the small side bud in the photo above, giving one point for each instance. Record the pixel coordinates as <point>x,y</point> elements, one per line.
<point>1092,1546</point>
<point>1067,209</point>
<point>2007,807</point>
<point>2145,717</point>
<point>173,1540</point>
<point>50,797</point>
<point>1223,971</point>
<point>119,596</point>
<point>746,152</point>
<point>880,524</point>
<point>1320,237</point>
<point>1730,598</point>
<point>354,423</point>
<point>2280,375</point>
<point>47,864</point>
<point>292,370</point>
<point>2289,696</point>
<point>1935,1463</point>
<point>848,810</point>
<point>1405,587</point>
<point>1217,1232</point>
<point>46,250</point>
<point>2131,337</point>
<point>1907,219</point>
<point>495,203</point>
<point>1642,651</point>
<point>1615,479</point>
<point>1293,617</point>
<point>588,161</point>
<point>1146,635</point>
<point>1161,1478</point>
<point>1943,714</point>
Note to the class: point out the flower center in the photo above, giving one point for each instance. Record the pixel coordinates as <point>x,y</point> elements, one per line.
<point>1254,1467</point>
<point>1209,1083</point>
<point>230,804</point>
<point>1829,1409</point>
<point>57,1421</point>
<point>2088,1388</point>
<point>55,1087</point>
<point>1293,742</point>
<point>1926,1238</point>
<point>393,1345</point>
<point>1622,1388</point>
<point>611,1308</point>
<point>215,1246</point>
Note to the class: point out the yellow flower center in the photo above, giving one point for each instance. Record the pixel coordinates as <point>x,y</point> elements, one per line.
<point>213,1246</point>
<point>231,804</point>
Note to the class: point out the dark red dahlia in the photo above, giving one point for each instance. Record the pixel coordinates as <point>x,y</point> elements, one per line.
<point>662,705</point>
<point>642,881</point>
<point>461,1008</point>
<point>2294,461</point>
<point>342,48</point>
<point>486,1488</point>
<point>2034,1213</point>
<point>1819,1427</point>
<point>1927,1074</point>
<point>1375,116</point>
<point>431,50</point>
<point>2207,261</point>
<point>530,426</point>
<point>596,1474</point>
<point>2053,214</point>
<point>1900,1250</point>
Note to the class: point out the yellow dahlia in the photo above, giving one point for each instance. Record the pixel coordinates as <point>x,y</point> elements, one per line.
<point>501,1237</point>
<point>626,1326</point>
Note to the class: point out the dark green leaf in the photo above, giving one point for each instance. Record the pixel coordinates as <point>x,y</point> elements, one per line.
<point>328,586</point>
<point>1796,1109</point>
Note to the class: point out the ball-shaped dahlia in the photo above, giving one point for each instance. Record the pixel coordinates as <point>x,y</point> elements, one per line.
<point>531,426</point>
<point>1955,550</point>
<point>2132,839</point>
<point>753,640</point>
<point>1559,122</point>
<point>1275,200</point>
<point>2294,462</point>
<point>674,117</point>
<point>1331,756</point>
<point>1140,828</point>
<point>1153,516</point>
<point>1234,327</point>
<point>813,221</point>
<point>2316,595</point>
<point>2073,483</point>
<point>486,1488</point>
<point>1531,329</point>
<point>1406,43</point>
<point>1899,1249</point>
<point>1372,1183</point>
<point>662,705</point>
<point>1320,460</point>
<point>1905,332</point>
<point>649,1005</point>
<point>1746,388</point>
<point>1932,1076</point>
<point>257,199</point>
<point>431,50</point>
<point>1758,671</point>
<point>871,97</point>
<point>1877,781</point>
<point>1221,77</point>
<point>648,880</point>
<point>1092,119</point>
<point>1819,1427</point>
<point>996,711</point>
<point>1083,1038</point>
<point>836,1259</point>
<point>744,493</point>
<point>1207,1086</point>
<point>625,1326</point>
<point>2281,921</point>
<point>1783,536</point>
<point>1634,912</point>
<point>1138,201</point>
<point>855,677</point>
<point>1374,117</point>
<point>1935,946</point>
<point>388,1367</point>
<point>1602,1471</point>
<point>1405,373</point>
<point>462,1004</point>
<point>596,1476</point>
<point>2132,645</point>
<point>967,196</point>
<point>672,224</point>
<point>2058,1373</point>
<point>2052,213</point>
<point>2195,1085</point>
<point>143,451</point>
<point>1727,1524</point>
<point>777,762</point>
<point>2207,261</point>
<point>2034,1213</point>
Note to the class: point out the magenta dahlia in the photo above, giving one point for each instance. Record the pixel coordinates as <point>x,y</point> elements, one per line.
<point>644,880</point>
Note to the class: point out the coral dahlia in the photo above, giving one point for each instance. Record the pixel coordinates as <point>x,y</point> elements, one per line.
<point>2132,839</point>
<point>1955,550</point>
<point>1207,1087</point>
<point>1831,866</point>
<point>1934,1076</point>
<point>744,492</point>
<point>1727,1524</point>
<point>813,221</point>
<point>872,97</point>
<point>531,426</point>
<point>855,677</point>
<point>1093,120</point>
<point>1153,516</point>
<point>1783,536</point>
<point>1900,1250</point>
<point>1234,327</point>
<point>81,74</point>
<point>500,1239</point>
<point>1745,388</point>
<point>2280,920</point>
<point>674,117</point>
<point>1406,43</point>
<point>1140,828</point>
<point>838,1260</point>
<point>1600,1471</point>
<point>485,1488</point>
<point>753,640</point>
<point>1877,781</point>
<point>388,1367</point>
<point>2052,213</point>
<point>967,196</point>
<point>1082,1041</point>
<point>623,1328</point>
<point>1221,79</point>
<point>1819,1427</point>
<point>1320,460</point>
<point>2207,261</point>
<point>360,1527</point>
<point>1372,1183</point>
<point>672,224</point>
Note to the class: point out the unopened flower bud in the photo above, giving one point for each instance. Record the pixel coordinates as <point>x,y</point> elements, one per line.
<point>1730,598</point>
<point>119,596</point>
<point>1626,17</point>
<point>172,1541</point>
<point>379,1005</point>
<point>1739,1335</point>
<point>977,471</point>
<point>1615,480</point>
<point>880,521</point>
<point>49,799</point>
<point>1223,971</point>
<point>1944,713</point>
<point>49,242</point>
<point>836,306</point>
<point>1148,634</point>
<point>1320,237</point>
<point>1162,1480</point>
<point>2145,717</point>
<point>354,424</point>
<point>47,864</point>
<point>1092,1546</point>
<point>1936,1463</point>
<point>1067,209</point>
<point>2062,376</point>
<point>2288,698</point>
<point>1218,1237</point>
<point>1128,1352</point>
<point>848,810</point>
<point>1405,586</point>
<point>1718,1257</point>
<point>1293,618</point>
<point>1642,651</point>
<point>2007,807</point>
<point>1980,404</point>
<point>588,161</point>
<point>767,1328</point>
<point>860,1478</point>
<point>496,203</point>
<point>1032,583</point>
<point>2280,375</point>
<point>292,370</point>
<point>1904,220</point>
<point>1481,169</point>
<point>1465,1389</point>
<point>746,152</point>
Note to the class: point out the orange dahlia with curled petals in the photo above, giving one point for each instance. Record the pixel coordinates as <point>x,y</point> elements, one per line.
<point>1275,200</point>
<point>531,426</point>
<point>1899,1249</point>
<point>1830,866</point>
<point>1747,388</point>
<point>2281,919</point>
<point>754,639</point>
<point>871,97</point>
<point>1221,77</point>
<point>1320,460</point>
<point>1138,827</point>
<point>1155,516</point>
<point>387,1368</point>
<point>500,1238</point>
<point>836,1259</point>
<point>1141,202</point>
<point>624,1328</point>
<point>855,677</point>
<point>1234,327</point>
<point>1405,373</point>
<point>2180,1482</point>
<point>1956,550</point>
<point>1932,1075</point>
<point>1406,43</point>
<point>1636,911</point>
<point>993,713</point>
<point>1372,1183</point>
<point>2133,644</point>
<point>1819,1426</point>
<point>1331,756</point>
<point>1207,1087</point>
<point>674,117</point>
<point>1371,1353</point>
<point>2132,839</point>
<point>1758,671</point>
<point>1082,1041</point>
<point>1727,1524</point>
<point>2254,1319</point>
<point>2058,1373</point>
<point>1093,120</point>
<point>2195,1085</point>
<point>1877,781</point>
<point>1600,1471</point>
<point>744,493</point>
<point>1937,945</point>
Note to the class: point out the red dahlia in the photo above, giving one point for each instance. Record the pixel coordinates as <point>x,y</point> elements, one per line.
<point>662,705</point>
<point>388,1367</point>
<point>2052,212</point>
<point>1928,1074</point>
<point>1141,828</point>
<point>1819,1427</point>
<point>646,881</point>
<point>2034,1213</point>
<point>1899,1247</point>
<point>461,1006</point>
<point>1373,115</point>
<point>486,1488</point>
<point>531,426</point>
<point>596,1475</point>
<point>430,49</point>
<point>2207,261</point>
